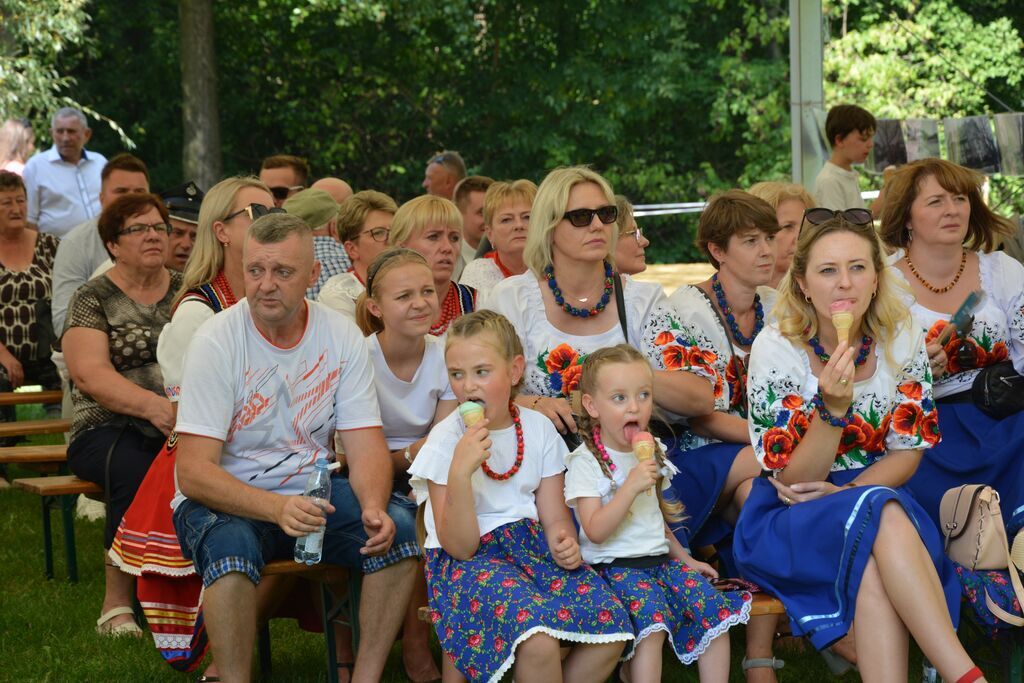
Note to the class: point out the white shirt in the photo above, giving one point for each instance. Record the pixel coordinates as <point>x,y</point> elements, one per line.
<point>482,274</point>
<point>62,195</point>
<point>275,409</point>
<point>79,254</point>
<point>407,408</point>
<point>997,333</point>
<point>496,502</point>
<point>892,410</point>
<point>340,292</point>
<point>174,341</point>
<point>837,188</point>
<point>642,532</point>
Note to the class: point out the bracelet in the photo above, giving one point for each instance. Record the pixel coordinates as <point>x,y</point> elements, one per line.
<point>819,406</point>
<point>536,400</point>
<point>408,455</point>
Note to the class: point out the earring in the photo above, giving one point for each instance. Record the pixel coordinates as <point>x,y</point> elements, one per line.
<point>910,234</point>
<point>807,298</point>
<point>874,294</point>
<point>225,243</point>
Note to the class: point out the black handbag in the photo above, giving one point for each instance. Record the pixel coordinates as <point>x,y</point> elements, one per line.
<point>998,391</point>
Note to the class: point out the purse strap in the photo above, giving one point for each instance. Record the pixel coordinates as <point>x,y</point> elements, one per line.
<point>1014,563</point>
<point>620,305</point>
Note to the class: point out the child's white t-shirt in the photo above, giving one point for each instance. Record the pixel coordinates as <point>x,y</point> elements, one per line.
<point>642,532</point>
<point>497,502</point>
<point>836,188</point>
<point>275,409</point>
<point>407,408</point>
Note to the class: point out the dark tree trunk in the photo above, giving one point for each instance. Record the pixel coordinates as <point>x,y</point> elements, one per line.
<point>201,157</point>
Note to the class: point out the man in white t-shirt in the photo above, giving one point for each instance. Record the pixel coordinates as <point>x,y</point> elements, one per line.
<point>265,385</point>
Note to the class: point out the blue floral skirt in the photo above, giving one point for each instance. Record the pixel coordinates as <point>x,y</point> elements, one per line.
<point>974,585</point>
<point>508,591</point>
<point>678,600</point>
<point>975,449</point>
<point>701,478</point>
<point>812,555</point>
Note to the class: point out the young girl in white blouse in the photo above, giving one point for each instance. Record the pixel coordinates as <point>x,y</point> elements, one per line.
<point>625,533</point>
<point>412,389</point>
<point>505,578</point>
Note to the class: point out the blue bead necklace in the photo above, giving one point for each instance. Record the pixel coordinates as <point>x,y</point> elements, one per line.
<point>549,275</point>
<point>723,304</point>
<point>862,355</point>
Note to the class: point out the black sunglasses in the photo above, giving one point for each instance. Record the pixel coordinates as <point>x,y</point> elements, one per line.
<point>820,215</point>
<point>581,218</point>
<point>282,192</point>
<point>255,211</point>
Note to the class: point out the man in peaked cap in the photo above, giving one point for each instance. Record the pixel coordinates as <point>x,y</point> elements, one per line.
<point>183,204</point>
<point>320,212</point>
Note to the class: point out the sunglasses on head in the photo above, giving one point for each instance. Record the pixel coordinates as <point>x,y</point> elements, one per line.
<point>581,218</point>
<point>255,211</point>
<point>282,192</point>
<point>820,215</point>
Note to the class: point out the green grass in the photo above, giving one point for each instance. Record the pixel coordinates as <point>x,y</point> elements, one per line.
<point>46,627</point>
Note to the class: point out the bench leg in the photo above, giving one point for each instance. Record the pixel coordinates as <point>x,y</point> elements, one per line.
<point>355,587</point>
<point>329,610</point>
<point>263,649</point>
<point>46,502</point>
<point>67,504</point>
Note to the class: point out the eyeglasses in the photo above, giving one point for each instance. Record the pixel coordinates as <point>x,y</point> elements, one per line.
<point>581,218</point>
<point>282,192</point>
<point>377,234</point>
<point>820,215</point>
<point>637,234</point>
<point>142,228</point>
<point>255,211</point>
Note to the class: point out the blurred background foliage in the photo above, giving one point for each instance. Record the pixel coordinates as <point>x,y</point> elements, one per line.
<point>671,99</point>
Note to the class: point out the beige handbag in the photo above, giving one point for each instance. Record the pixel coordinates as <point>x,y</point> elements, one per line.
<point>972,525</point>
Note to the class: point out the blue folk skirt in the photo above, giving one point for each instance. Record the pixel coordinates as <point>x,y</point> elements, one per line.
<point>812,555</point>
<point>678,600</point>
<point>701,478</point>
<point>975,449</point>
<point>509,590</point>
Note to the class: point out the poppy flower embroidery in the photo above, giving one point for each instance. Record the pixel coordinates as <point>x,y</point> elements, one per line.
<point>906,419</point>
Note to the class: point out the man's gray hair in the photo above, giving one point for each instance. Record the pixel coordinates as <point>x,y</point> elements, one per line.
<point>276,227</point>
<point>67,113</point>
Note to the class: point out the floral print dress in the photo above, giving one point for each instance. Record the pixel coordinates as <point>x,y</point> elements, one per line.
<point>812,555</point>
<point>975,448</point>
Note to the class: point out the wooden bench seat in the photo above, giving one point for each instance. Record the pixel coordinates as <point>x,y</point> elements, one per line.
<point>34,427</point>
<point>21,398</point>
<point>15,455</point>
<point>60,491</point>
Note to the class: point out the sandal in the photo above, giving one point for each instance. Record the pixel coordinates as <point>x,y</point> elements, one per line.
<point>763,663</point>
<point>836,663</point>
<point>129,628</point>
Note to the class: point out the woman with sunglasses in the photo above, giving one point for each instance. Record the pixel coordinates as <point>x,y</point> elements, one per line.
<point>506,220</point>
<point>629,248</point>
<point>432,226</point>
<point>564,306</point>
<point>364,223</point>
<point>839,426</point>
<point>121,416</point>
<point>945,238</point>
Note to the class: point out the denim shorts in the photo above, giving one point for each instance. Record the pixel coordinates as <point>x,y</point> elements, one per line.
<point>219,543</point>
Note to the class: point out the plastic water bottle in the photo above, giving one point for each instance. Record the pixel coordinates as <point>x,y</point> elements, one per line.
<point>309,548</point>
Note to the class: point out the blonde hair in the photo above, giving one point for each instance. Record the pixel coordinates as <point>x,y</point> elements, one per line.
<point>415,215</point>
<point>592,366</point>
<point>506,340</point>
<point>386,261</point>
<point>886,313</point>
<point>548,209</point>
<point>207,258</point>
<point>985,229</point>
<point>625,219</point>
<point>502,192</point>
<point>775,192</point>
<point>353,211</point>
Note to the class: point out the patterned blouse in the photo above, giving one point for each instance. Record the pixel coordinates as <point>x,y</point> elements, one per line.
<point>892,410</point>
<point>554,359</point>
<point>997,333</point>
<point>20,290</point>
<point>132,329</point>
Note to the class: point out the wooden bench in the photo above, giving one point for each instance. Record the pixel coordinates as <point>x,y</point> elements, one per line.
<point>34,427</point>
<point>332,609</point>
<point>48,459</point>
<point>60,491</point>
<point>21,398</point>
